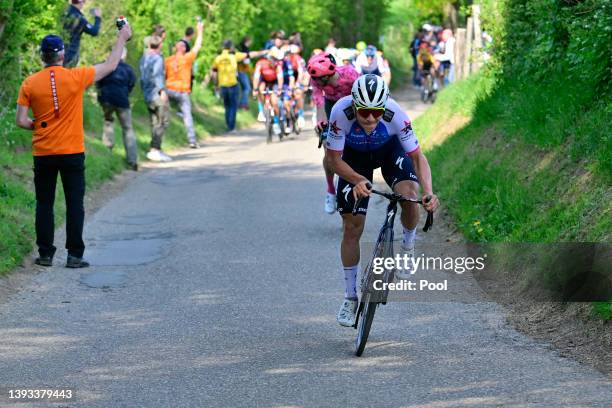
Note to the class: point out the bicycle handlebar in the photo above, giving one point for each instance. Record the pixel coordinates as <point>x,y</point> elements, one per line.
<point>398,198</point>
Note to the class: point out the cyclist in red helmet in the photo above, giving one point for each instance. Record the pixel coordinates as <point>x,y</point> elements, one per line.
<point>330,82</point>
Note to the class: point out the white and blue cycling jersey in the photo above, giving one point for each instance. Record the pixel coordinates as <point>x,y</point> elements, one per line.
<point>345,131</point>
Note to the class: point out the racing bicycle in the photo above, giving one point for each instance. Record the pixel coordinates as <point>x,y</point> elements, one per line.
<point>370,298</point>
<point>430,89</point>
<point>270,115</point>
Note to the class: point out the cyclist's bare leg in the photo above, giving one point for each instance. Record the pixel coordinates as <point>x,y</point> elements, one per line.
<point>287,104</point>
<point>352,228</point>
<point>274,100</point>
<point>299,98</point>
<point>410,211</point>
<point>260,95</point>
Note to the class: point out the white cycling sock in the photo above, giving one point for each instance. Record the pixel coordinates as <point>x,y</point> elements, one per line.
<point>409,236</point>
<point>350,281</point>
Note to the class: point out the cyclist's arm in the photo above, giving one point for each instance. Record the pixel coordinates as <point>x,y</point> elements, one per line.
<point>279,77</point>
<point>423,171</point>
<point>321,115</point>
<point>333,159</point>
<point>300,73</point>
<point>256,76</point>
<point>336,139</point>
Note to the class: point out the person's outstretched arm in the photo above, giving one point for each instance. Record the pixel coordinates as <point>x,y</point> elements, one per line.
<point>94,29</point>
<point>113,59</point>
<point>198,42</point>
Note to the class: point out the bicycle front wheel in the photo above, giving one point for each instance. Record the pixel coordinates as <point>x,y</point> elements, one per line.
<point>364,325</point>
<point>269,117</point>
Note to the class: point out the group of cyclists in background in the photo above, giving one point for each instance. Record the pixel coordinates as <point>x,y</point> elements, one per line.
<point>432,50</point>
<point>283,85</point>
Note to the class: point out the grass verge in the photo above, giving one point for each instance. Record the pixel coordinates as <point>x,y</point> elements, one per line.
<point>511,171</point>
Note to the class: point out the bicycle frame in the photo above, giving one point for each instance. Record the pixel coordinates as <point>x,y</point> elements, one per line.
<point>370,298</point>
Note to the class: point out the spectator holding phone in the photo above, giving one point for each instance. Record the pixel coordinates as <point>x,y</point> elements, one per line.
<point>55,96</point>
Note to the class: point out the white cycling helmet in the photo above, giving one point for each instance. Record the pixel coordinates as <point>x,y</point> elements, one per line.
<point>370,91</point>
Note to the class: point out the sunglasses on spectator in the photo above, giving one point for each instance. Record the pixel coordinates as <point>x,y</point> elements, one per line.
<point>365,112</point>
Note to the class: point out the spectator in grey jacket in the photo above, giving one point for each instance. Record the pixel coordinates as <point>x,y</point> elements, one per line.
<point>152,82</point>
<point>75,24</point>
<point>113,94</point>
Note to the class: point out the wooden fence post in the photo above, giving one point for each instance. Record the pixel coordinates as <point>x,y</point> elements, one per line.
<point>467,62</point>
<point>460,52</point>
<point>477,47</point>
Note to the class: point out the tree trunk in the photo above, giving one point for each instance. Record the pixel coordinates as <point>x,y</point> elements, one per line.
<point>451,16</point>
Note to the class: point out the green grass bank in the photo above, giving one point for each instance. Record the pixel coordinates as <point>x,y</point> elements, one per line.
<point>517,164</point>
<point>17,203</point>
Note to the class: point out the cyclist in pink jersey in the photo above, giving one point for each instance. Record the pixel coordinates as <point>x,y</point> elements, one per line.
<point>329,84</point>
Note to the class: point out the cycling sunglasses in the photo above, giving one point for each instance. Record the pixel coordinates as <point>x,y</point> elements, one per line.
<point>365,112</point>
<point>322,79</point>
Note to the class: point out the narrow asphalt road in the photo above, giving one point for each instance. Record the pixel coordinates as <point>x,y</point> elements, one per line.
<point>215,281</point>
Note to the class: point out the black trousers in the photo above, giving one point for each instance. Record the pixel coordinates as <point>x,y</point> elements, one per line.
<point>71,168</point>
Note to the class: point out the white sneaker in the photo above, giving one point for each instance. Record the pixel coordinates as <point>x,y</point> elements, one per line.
<point>301,122</point>
<point>408,249</point>
<point>276,128</point>
<point>154,155</point>
<point>330,203</point>
<point>261,117</point>
<point>288,130</point>
<point>346,315</point>
<point>158,156</point>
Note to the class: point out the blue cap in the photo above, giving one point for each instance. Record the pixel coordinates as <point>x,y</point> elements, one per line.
<point>51,43</point>
<point>370,51</point>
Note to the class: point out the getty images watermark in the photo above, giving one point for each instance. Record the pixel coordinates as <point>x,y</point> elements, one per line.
<point>465,272</point>
<point>409,266</point>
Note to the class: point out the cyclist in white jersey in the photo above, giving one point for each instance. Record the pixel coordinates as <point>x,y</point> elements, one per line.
<point>368,130</point>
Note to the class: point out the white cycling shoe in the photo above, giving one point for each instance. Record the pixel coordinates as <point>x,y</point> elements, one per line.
<point>261,117</point>
<point>330,203</point>
<point>408,249</point>
<point>276,129</point>
<point>301,122</point>
<point>346,315</point>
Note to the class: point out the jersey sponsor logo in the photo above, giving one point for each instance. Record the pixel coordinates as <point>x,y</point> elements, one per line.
<point>372,84</point>
<point>333,127</point>
<point>399,162</point>
<point>346,190</point>
<point>388,115</point>
<point>332,135</point>
<point>407,127</point>
<point>350,113</point>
